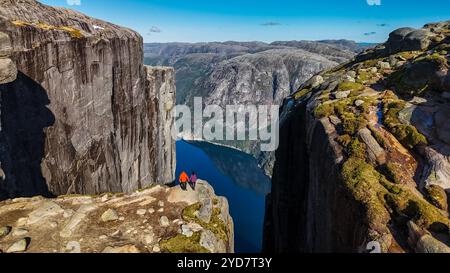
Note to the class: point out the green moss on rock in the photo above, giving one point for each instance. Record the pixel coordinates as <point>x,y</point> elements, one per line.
<point>183,244</point>
<point>216,225</point>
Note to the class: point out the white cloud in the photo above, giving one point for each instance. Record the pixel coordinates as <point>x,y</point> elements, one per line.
<point>73,2</point>
<point>374,2</point>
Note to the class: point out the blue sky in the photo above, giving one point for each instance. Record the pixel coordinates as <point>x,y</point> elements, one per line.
<point>262,20</point>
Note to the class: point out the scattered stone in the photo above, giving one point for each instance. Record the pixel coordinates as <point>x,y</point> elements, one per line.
<point>164,221</point>
<point>121,249</point>
<point>151,210</point>
<point>161,210</point>
<point>19,232</point>
<point>141,212</point>
<point>156,249</point>
<point>121,218</point>
<point>109,215</point>
<point>104,198</point>
<point>103,237</point>
<point>161,203</point>
<point>316,81</point>
<point>186,231</point>
<point>195,227</point>
<point>4,231</point>
<point>22,221</point>
<point>116,234</point>
<point>73,247</point>
<point>19,246</point>
<point>349,78</point>
<point>359,103</point>
<point>335,120</point>
<point>342,94</point>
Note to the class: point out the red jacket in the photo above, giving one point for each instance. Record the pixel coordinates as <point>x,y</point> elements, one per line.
<point>184,178</point>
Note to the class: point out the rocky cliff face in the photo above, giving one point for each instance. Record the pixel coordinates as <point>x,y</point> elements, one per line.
<point>83,114</point>
<point>246,73</point>
<point>157,219</point>
<point>364,155</point>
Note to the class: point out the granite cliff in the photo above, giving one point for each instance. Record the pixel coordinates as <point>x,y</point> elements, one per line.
<point>364,153</point>
<point>80,113</point>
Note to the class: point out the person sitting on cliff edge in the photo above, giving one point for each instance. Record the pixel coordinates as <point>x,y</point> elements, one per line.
<point>184,179</point>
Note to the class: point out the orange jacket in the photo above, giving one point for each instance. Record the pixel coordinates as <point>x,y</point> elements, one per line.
<point>184,178</point>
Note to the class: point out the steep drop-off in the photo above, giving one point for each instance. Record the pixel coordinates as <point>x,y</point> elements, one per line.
<point>83,115</point>
<point>243,73</point>
<point>364,153</point>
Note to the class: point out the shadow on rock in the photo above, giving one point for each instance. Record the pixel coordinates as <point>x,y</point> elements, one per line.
<point>24,117</point>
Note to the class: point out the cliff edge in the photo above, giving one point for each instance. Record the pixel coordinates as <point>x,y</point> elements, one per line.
<point>80,113</point>
<point>153,220</point>
<point>364,153</point>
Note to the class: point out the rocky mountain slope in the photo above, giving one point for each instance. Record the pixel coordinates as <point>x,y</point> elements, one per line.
<point>283,63</point>
<point>364,152</point>
<point>158,219</point>
<point>80,112</point>
<point>246,73</point>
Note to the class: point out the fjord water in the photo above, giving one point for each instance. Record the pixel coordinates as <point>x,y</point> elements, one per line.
<point>236,176</point>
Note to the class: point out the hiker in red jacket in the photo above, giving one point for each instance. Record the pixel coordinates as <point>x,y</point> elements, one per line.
<point>184,179</point>
<point>193,180</point>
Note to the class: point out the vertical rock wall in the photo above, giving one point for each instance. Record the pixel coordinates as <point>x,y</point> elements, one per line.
<point>84,115</point>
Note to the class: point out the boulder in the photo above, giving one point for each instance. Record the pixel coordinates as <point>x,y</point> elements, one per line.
<point>4,231</point>
<point>18,232</point>
<point>342,94</point>
<point>186,231</point>
<point>375,152</point>
<point>417,40</point>
<point>19,246</point>
<point>109,215</point>
<point>164,221</point>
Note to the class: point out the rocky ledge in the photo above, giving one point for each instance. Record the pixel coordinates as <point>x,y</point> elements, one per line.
<point>364,152</point>
<point>157,219</point>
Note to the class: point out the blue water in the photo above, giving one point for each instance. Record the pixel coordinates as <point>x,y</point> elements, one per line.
<point>223,168</point>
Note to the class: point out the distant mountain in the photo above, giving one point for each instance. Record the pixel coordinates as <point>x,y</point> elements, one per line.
<point>295,61</point>
<point>247,72</point>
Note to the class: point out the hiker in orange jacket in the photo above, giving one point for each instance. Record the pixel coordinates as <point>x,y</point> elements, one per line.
<point>184,179</point>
